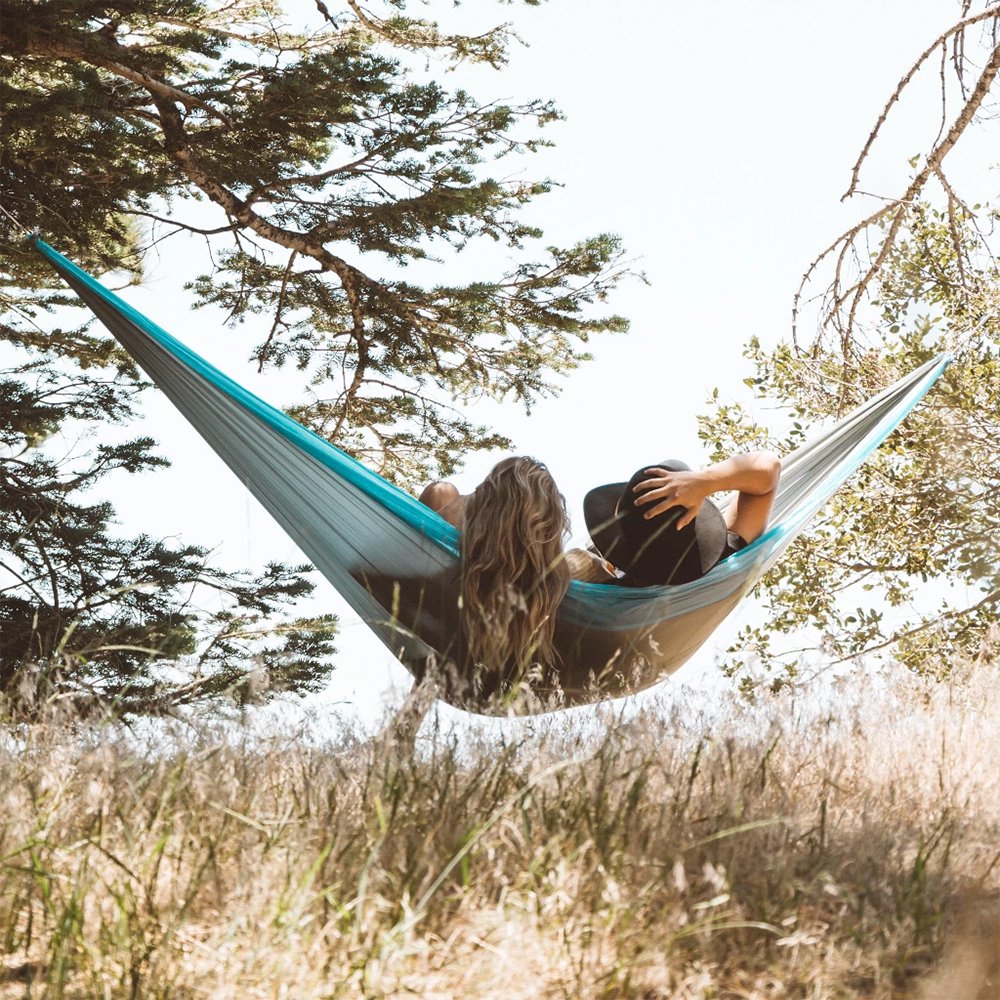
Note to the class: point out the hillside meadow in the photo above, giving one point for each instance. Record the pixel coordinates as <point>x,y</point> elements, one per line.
<point>782,849</point>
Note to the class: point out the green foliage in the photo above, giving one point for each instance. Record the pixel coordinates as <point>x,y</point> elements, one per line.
<point>907,552</point>
<point>324,164</point>
<point>86,615</point>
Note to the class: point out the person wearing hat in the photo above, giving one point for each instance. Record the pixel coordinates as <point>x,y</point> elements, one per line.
<point>658,528</point>
<point>661,528</point>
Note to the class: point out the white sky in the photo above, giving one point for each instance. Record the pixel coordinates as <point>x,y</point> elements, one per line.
<point>717,140</point>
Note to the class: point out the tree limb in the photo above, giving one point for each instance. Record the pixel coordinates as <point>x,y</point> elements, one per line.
<point>903,83</point>
<point>73,50</point>
<point>895,211</point>
<point>991,598</point>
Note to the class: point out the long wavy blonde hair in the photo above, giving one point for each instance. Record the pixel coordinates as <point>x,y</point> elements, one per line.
<point>514,573</point>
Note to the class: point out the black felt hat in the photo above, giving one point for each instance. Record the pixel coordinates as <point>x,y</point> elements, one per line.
<point>652,551</point>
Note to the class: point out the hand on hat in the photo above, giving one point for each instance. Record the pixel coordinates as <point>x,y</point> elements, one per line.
<point>665,490</point>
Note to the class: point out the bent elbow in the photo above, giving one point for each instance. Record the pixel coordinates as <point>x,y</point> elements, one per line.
<point>769,465</point>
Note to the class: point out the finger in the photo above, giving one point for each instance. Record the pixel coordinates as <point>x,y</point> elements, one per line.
<point>649,484</point>
<point>651,496</point>
<point>684,521</point>
<point>670,493</point>
<point>660,508</point>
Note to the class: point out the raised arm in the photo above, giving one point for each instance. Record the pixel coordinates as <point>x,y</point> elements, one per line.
<point>753,475</point>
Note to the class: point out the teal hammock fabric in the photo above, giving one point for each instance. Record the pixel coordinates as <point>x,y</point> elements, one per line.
<point>395,561</point>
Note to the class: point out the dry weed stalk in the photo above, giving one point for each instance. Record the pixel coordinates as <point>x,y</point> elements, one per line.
<point>770,854</point>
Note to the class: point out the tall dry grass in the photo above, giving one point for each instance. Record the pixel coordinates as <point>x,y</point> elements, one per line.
<point>774,850</point>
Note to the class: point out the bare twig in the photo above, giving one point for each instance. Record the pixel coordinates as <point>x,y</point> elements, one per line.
<point>956,30</point>
<point>893,213</point>
<point>277,313</point>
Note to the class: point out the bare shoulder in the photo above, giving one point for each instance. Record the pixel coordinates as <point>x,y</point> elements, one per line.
<point>454,512</point>
<point>445,499</point>
<point>588,566</point>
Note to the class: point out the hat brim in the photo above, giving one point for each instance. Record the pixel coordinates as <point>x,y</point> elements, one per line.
<point>601,519</point>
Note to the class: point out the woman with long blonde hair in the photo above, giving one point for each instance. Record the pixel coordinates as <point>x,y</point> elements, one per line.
<point>514,570</point>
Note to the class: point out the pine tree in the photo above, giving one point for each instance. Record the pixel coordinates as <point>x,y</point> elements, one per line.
<point>334,180</point>
<point>87,616</point>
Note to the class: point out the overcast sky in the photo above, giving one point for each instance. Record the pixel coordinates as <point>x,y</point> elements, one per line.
<point>716,139</point>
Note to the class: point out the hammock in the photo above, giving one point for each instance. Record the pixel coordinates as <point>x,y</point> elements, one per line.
<point>395,561</point>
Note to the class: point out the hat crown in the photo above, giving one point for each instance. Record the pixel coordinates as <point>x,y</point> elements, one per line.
<point>652,551</point>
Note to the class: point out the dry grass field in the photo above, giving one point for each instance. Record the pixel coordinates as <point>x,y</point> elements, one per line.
<point>756,851</point>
